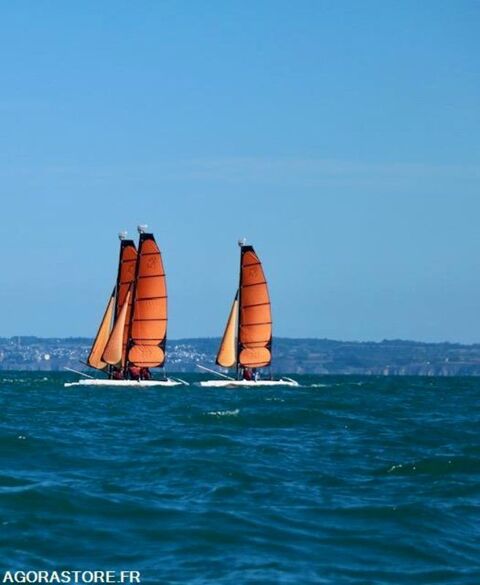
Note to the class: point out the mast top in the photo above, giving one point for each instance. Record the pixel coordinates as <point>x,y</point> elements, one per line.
<point>142,228</point>
<point>242,242</point>
<point>122,235</point>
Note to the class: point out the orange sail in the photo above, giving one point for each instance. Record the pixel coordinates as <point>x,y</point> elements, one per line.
<point>114,348</point>
<point>255,316</point>
<point>126,276</point>
<point>148,326</point>
<point>95,357</point>
<point>227,354</point>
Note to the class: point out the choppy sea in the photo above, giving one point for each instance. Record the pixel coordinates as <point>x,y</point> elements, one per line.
<point>345,480</point>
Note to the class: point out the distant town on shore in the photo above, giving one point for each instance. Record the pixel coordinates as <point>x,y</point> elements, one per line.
<point>294,356</point>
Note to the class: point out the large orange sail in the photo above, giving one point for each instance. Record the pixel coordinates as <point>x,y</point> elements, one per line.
<point>148,326</point>
<point>114,348</point>
<point>227,354</point>
<point>95,357</point>
<point>126,276</point>
<point>255,316</point>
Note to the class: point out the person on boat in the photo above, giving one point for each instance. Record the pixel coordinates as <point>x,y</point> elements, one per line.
<point>256,374</point>
<point>117,374</point>
<point>247,374</point>
<point>134,372</point>
<point>145,374</point>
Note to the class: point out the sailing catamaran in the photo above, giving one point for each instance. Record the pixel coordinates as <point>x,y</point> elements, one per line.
<point>247,341</point>
<point>131,337</point>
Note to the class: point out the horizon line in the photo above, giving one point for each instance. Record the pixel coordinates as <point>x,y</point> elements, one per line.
<point>278,337</point>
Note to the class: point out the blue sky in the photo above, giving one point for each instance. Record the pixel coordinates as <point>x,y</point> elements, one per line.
<point>341,138</point>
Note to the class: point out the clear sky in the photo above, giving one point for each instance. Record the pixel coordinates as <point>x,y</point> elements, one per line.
<point>340,138</point>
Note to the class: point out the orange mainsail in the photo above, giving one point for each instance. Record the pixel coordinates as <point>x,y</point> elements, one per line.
<point>95,357</point>
<point>148,325</point>
<point>125,278</point>
<point>255,316</point>
<point>227,354</point>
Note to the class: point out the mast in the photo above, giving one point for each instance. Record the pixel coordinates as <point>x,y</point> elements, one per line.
<point>241,244</point>
<point>141,229</point>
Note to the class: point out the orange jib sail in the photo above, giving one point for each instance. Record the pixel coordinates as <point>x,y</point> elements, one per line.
<point>126,276</point>
<point>95,357</point>
<point>255,315</point>
<point>227,354</point>
<point>148,327</point>
<point>113,350</point>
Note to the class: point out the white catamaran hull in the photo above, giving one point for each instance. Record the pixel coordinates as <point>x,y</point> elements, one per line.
<point>248,383</point>
<point>127,383</point>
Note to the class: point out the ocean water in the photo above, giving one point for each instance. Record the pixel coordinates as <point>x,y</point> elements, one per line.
<point>345,480</point>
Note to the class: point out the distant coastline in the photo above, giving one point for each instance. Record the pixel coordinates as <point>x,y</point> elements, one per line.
<point>295,356</point>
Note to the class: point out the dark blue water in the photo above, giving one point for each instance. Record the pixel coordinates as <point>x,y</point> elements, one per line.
<point>345,480</point>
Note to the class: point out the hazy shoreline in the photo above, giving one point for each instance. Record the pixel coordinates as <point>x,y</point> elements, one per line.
<point>300,356</point>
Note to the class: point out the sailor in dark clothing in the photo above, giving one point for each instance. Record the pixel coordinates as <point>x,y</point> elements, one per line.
<point>134,372</point>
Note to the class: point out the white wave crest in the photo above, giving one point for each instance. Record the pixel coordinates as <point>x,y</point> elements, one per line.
<point>224,412</point>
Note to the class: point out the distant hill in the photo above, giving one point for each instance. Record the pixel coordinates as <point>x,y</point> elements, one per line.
<point>300,356</point>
